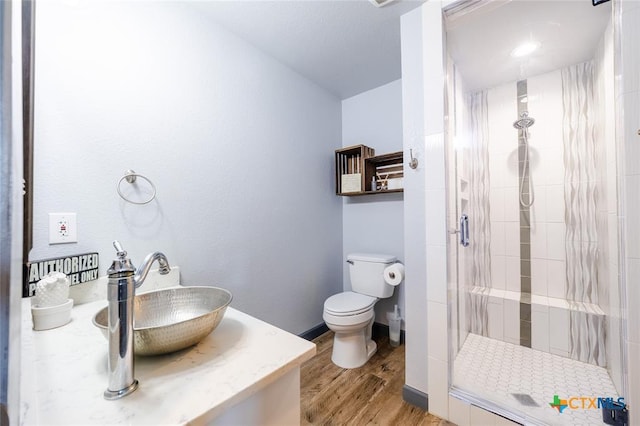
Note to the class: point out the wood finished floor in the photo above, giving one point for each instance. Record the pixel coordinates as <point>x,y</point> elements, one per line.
<point>371,394</point>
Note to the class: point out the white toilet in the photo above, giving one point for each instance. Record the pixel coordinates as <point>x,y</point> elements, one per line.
<point>350,314</point>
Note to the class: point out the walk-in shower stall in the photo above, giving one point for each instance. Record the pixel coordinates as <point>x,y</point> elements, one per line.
<point>535,305</point>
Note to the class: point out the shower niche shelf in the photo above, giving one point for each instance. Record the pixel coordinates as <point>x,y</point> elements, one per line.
<point>357,166</point>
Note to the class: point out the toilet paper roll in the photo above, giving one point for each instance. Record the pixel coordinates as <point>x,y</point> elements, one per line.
<point>394,274</point>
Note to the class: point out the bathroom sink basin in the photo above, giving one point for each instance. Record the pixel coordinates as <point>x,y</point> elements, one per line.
<point>168,320</point>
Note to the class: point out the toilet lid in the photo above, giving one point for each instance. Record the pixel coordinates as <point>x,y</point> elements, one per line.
<point>349,303</point>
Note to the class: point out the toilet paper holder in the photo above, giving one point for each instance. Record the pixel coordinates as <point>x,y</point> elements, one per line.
<point>394,274</point>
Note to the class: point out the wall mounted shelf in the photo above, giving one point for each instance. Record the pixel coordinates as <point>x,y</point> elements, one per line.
<point>357,165</point>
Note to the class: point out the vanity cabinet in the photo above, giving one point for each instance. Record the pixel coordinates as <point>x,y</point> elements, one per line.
<point>358,169</point>
<point>246,372</point>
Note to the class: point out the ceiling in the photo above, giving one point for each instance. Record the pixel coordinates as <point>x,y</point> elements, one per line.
<point>344,46</point>
<point>480,42</point>
<point>350,46</point>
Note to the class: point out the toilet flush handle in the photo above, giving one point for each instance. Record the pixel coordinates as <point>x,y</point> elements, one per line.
<point>350,262</point>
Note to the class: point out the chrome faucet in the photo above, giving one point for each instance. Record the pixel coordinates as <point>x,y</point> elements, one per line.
<point>124,278</point>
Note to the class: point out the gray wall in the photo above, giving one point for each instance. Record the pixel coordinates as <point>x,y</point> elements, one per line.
<point>239,146</point>
<point>374,223</point>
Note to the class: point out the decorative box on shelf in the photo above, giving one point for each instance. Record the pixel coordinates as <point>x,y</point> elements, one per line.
<point>387,170</point>
<point>360,172</point>
<point>350,174</point>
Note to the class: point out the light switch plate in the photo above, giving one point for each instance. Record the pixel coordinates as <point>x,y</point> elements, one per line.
<point>62,228</point>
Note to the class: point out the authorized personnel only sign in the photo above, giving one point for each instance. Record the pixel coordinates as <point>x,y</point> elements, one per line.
<point>79,269</point>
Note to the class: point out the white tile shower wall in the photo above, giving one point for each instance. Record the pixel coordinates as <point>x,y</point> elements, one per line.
<point>538,275</point>
<point>513,273</point>
<point>628,106</point>
<point>416,319</point>
<point>437,272</point>
<point>632,113</point>
<point>457,178</point>
<point>547,214</point>
<point>435,196</point>
<point>437,337</point>
<point>499,272</point>
<point>438,387</point>
<point>503,187</point>
<point>556,286</point>
<point>630,100</point>
<point>633,296</point>
<point>478,416</point>
<point>547,176</point>
<point>559,331</point>
<point>630,35</point>
<point>459,412</point>
<point>607,216</point>
<point>633,374</point>
<point>547,227</point>
<point>631,184</point>
<point>464,414</point>
<point>495,311</point>
<point>512,321</point>
<point>540,327</point>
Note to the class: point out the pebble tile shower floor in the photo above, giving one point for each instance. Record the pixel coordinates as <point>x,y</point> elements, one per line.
<point>526,380</point>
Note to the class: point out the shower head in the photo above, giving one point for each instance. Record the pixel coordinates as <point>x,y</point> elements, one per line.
<point>524,122</point>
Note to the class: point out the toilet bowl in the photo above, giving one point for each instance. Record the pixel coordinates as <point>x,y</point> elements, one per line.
<point>350,314</point>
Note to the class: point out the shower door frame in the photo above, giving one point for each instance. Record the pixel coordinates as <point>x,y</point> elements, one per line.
<point>453,264</point>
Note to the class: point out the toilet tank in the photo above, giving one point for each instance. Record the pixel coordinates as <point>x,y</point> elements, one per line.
<point>366,274</point>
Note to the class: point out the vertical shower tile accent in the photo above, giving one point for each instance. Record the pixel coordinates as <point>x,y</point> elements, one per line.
<point>587,332</point>
<point>525,224</point>
<point>525,324</point>
<point>479,215</point>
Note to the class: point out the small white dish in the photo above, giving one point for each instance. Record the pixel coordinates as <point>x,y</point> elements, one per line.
<point>52,316</point>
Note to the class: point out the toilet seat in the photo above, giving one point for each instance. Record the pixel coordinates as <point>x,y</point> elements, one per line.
<point>348,303</point>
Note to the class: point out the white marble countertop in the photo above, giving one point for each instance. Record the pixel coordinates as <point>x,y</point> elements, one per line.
<point>64,372</point>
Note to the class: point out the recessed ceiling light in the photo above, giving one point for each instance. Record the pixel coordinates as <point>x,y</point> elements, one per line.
<point>525,49</point>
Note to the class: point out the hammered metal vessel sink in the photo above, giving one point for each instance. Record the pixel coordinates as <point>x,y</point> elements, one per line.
<point>168,320</point>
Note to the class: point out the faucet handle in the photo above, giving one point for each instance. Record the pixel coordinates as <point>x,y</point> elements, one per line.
<point>121,265</point>
<point>120,251</point>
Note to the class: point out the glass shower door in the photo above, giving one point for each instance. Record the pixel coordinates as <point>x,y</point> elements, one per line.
<point>535,302</point>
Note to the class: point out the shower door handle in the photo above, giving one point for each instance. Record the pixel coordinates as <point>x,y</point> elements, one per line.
<point>464,230</point>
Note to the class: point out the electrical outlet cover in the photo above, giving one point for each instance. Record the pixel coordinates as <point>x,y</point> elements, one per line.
<point>62,228</point>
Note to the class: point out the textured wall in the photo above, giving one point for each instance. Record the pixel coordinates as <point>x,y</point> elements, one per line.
<point>239,147</point>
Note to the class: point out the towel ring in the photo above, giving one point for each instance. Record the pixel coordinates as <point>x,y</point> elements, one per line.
<point>130,176</point>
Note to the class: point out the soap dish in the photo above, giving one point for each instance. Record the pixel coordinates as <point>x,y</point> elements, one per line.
<point>52,316</point>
